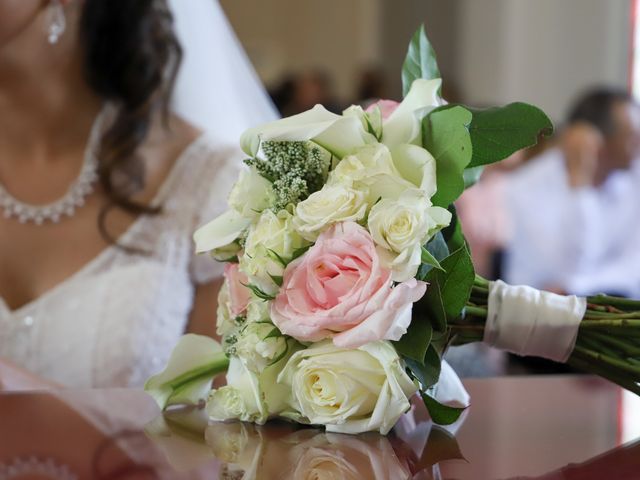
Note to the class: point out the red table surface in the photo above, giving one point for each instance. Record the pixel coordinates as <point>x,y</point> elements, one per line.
<point>551,428</point>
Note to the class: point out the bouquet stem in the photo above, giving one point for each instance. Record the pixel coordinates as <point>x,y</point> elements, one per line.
<point>608,342</point>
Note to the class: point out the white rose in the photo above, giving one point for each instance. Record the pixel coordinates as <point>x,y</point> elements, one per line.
<point>331,204</point>
<point>349,391</point>
<point>225,320</point>
<point>387,173</point>
<point>258,310</point>
<point>402,226</point>
<point>370,169</point>
<point>251,194</point>
<point>272,237</point>
<point>250,396</point>
<point>256,347</point>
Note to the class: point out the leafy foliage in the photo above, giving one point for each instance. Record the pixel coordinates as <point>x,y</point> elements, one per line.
<point>448,291</point>
<point>437,248</point>
<point>420,61</point>
<point>441,414</point>
<point>499,132</point>
<point>446,136</point>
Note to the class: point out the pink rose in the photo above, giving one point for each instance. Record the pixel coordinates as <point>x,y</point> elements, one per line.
<point>340,289</point>
<point>239,295</point>
<point>387,107</point>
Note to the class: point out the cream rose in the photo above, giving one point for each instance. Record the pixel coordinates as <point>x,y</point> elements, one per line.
<point>225,320</point>
<point>349,391</point>
<point>251,194</point>
<point>250,396</point>
<point>256,347</point>
<point>402,226</point>
<point>370,169</point>
<point>332,204</point>
<point>271,237</point>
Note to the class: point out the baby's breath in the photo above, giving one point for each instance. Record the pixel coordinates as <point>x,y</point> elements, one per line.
<point>297,169</point>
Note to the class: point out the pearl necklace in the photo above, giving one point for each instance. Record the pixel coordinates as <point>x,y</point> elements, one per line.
<point>72,199</point>
<point>19,468</point>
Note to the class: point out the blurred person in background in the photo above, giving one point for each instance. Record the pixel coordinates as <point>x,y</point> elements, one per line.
<point>371,86</point>
<point>574,210</point>
<point>312,87</point>
<point>102,187</point>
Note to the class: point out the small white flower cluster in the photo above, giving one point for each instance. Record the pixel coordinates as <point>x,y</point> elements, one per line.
<point>296,169</point>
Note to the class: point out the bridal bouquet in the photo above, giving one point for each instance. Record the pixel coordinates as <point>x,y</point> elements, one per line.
<point>347,274</point>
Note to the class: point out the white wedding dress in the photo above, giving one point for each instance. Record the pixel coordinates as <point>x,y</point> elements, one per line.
<point>114,322</point>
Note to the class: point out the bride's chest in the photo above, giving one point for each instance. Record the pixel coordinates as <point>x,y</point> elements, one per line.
<point>112,323</point>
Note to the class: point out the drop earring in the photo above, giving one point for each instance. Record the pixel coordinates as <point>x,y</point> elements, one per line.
<point>56,23</point>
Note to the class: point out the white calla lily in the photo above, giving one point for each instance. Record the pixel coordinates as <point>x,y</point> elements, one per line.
<point>416,165</point>
<point>193,364</point>
<point>404,125</point>
<point>337,134</point>
<point>220,232</point>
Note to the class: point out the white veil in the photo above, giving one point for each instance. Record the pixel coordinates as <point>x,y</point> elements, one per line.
<point>217,88</point>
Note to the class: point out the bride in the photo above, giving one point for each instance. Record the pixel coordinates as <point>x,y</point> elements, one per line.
<point>102,186</point>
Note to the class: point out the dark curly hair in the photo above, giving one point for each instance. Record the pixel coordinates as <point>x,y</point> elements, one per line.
<point>131,58</point>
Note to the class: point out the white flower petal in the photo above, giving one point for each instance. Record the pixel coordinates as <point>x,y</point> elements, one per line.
<point>220,232</point>
<point>404,124</point>
<point>192,354</point>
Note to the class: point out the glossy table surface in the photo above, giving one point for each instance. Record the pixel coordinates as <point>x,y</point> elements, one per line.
<point>552,428</point>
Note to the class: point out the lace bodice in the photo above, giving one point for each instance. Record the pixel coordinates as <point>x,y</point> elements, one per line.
<point>115,322</point>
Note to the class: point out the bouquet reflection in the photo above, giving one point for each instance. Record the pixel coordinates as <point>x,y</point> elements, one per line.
<point>246,451</point>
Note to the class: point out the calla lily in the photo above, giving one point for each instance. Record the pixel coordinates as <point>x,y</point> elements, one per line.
<point>220,232</point>
<point>404,125</point>
<point>193,364</point>
<point>337,134</point>
<point>416,165</point>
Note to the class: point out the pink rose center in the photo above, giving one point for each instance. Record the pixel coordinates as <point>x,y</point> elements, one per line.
<point>331,278</point>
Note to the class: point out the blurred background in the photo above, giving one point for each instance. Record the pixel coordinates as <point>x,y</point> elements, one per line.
<point>489,52</point>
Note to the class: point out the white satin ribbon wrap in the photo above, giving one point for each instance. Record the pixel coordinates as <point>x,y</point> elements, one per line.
<point>526,321</point>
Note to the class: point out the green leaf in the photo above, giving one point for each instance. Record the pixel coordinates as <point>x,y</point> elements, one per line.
<point>446,137</point>
<point>453,232</point>
<point>448,291</point>
<point>420,61</point>
<point>499,132</point>
<point>298,252</point>
<point>429,259</point>
<point>277,279</point>
<point>275,256</point>
<point>414,344</point>
<point>275,333</point>
<point>426,372</point>
<point>259,293</point>
<point>472,175</point>
<point>437,247</point>
<point>441,414</point>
